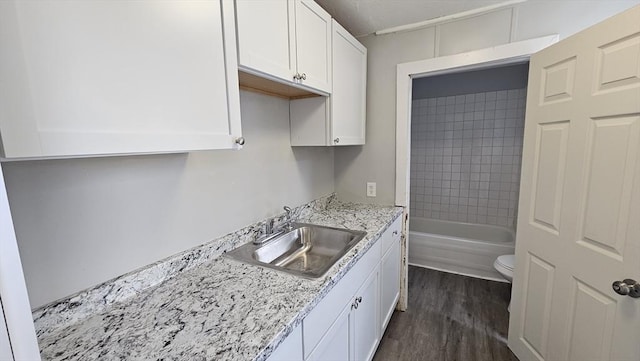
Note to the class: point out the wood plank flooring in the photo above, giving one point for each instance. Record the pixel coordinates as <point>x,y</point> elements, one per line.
<point>450,317</point>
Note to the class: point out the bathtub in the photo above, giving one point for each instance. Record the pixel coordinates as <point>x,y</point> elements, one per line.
<point>462,248</point>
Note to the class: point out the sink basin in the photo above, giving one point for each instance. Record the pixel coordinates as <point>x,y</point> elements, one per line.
<point>307,250</point>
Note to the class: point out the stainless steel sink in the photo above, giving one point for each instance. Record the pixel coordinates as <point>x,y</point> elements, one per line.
<point>307,250</point>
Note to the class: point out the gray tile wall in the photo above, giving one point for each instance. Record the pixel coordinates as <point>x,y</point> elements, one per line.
<point>465,157</point>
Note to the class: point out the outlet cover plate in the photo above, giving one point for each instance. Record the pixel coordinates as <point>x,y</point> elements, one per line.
<point>371,189</point>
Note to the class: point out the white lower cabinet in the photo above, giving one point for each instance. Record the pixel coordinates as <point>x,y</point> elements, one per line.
<point>354,334</point>
<point>291,348</point>
<point>366,335</point>
<point>347,324</point>
<point>389,284</point>
<point>336,344</point>
<point>390,266</point>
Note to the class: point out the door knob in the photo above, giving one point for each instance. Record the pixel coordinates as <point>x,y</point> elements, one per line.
<point>627,287</point>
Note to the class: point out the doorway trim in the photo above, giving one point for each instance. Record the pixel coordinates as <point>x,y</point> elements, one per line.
<point>511,53</point>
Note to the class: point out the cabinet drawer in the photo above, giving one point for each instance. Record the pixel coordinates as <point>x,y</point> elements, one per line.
<point>391,235</point>
<point>316,324</point>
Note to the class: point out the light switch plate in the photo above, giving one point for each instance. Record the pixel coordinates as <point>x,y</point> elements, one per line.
<point>371,189</point>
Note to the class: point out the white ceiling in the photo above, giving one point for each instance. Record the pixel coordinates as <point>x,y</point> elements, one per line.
<point>363,17</point>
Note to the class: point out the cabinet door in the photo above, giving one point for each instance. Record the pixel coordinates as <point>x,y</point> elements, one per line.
<point>313,45</point>
<point>348,97</point>
<point>266,37</point>
<point>365,320</point>
<point>389,283</point>
<point>290,349</point>
<point>336,343</point>
<point>113,77</point>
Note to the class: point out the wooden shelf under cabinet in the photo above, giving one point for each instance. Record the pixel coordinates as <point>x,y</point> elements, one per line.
<point>256,84</point>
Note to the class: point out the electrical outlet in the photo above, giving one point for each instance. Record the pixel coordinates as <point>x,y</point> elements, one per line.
<point>371,189</point>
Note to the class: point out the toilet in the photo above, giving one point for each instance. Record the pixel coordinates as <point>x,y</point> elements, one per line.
<point>504,265</point>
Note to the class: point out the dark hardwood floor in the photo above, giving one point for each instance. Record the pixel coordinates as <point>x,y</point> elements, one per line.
<point>450,317</point>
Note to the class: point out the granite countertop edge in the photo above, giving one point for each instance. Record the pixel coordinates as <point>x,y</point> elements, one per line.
<point>212,309</point>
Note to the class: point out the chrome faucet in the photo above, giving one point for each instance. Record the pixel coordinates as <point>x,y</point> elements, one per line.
<point>267,232</point>
<point>288,219</point>
<point>270,231</point>
<point>268,226</point>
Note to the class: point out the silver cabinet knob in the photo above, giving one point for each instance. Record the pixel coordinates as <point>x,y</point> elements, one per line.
<point>303,76</point>
<point>296,76</point>
<point>337,140</point>
<point>356,303</point>
<point>395,233</point>
<point>240,140</point>
<point>627,287</point>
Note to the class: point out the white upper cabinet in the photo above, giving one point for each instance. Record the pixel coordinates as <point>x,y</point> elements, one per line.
<point>84,78</point>
<point>286,41</point>
<point>348,98</point>
<point>339,119</point>
<point>266,37</point>
<point>313,45</point>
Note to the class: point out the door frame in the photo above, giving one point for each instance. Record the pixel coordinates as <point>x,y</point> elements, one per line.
<point>13,290</point>
<point>512,53</point>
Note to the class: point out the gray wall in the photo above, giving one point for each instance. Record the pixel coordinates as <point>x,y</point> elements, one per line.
<point>375,161</point>
<point>468,82</point>
<point>80,222</point>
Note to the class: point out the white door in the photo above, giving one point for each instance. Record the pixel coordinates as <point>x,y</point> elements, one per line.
<point>313,45</point>
<point>579,222</point>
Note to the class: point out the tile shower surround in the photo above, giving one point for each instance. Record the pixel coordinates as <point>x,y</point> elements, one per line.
<point>466,153</point>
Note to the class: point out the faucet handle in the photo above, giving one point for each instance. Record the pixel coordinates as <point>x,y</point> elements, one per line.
<point>288,212</point>
<point>288,218</point>
<point>268,226</point>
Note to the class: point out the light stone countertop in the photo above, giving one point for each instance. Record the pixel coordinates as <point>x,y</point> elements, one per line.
<point>220,309</point>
